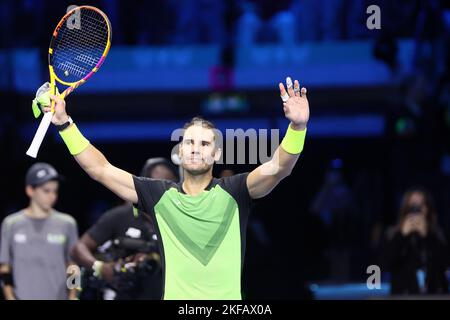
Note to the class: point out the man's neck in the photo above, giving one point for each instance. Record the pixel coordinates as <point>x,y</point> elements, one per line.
<point>36,212</point>
<point>194,185</point>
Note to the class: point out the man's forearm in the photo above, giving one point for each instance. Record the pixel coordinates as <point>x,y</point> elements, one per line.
<point>8,292</point>
<point>283,160</point>
<point>7,281</point>
<point>88,157</point>
<point>73,294</point>
<point>96,166</point>
<point>82,255</point>
<point>92,161</point>
<point>265,177</point>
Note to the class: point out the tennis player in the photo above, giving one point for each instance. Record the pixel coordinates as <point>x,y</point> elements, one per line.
<point>201,221</point>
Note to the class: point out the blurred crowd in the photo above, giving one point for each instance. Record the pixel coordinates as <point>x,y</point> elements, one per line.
<point>231,22</point>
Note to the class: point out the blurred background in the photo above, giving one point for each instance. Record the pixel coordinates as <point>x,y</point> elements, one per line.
<point>380,118</point>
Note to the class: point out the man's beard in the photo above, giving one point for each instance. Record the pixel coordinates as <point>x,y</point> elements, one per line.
<point>199,171</point>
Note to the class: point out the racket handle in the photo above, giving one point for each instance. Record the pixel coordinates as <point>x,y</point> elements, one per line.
<point>39,135</point>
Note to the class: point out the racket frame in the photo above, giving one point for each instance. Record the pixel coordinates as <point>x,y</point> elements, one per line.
<point>46,119</point>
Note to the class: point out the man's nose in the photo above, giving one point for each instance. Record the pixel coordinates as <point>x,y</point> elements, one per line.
<point>195,148</point>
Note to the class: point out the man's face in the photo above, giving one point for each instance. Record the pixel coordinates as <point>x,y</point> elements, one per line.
<point>197,150</point>
<point>45,195</point>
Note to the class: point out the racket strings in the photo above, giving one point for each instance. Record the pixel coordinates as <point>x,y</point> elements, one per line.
<point>92,32</point>
<point>90,35</point>
<point>78,49</point>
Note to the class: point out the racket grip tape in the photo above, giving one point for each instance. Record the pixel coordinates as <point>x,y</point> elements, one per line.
<point>39,135</point>
<point>74,139</point>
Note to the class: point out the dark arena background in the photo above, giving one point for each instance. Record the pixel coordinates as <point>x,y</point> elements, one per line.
<point>379,95</point>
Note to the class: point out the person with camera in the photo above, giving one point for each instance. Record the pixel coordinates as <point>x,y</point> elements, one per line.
<point>416,251</point>
<point>119,253</point>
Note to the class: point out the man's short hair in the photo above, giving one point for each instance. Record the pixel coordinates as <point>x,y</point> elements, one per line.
<point>199,121</point>
<point>195,121</point>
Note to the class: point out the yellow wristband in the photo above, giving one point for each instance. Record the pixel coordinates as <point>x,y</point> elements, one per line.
<point>293,141</point>
<point>74,140</point>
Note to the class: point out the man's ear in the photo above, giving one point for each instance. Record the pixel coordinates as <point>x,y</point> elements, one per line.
<point>29,191</point>
<point>217,154</point>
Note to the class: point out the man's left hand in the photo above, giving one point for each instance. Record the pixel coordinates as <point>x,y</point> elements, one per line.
<point>295,104</point>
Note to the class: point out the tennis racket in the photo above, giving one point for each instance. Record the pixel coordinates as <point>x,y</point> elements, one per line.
<point>78,48</point>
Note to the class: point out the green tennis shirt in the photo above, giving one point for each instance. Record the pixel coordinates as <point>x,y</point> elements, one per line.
<point>202,237</point>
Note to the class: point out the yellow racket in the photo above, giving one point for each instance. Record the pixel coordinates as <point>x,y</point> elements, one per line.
<point>78,48</point>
